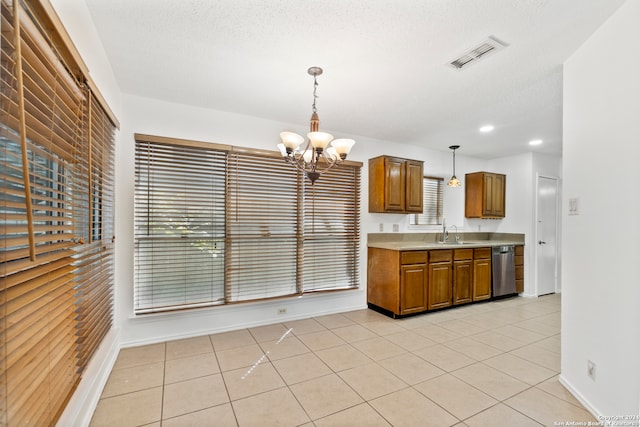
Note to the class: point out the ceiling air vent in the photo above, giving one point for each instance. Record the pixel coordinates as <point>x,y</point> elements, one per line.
<point>484,49</point>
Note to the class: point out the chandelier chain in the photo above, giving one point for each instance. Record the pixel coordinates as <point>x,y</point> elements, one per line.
<point>315,94</point>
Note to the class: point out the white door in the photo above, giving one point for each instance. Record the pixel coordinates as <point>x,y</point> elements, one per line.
<point>547,232</point>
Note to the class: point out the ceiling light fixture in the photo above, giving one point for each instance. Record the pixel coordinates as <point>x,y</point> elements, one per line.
<point>322,152</point>
<point>487,128</point>
<point>454,182</point>
<point>535,142</point>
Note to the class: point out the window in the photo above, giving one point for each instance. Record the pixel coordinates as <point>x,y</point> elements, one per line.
<point>432,200</point>
<point>217,224</point>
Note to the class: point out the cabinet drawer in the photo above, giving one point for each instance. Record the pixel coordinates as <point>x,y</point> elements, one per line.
<point>519,250</point>
<point>440,255</point>
<point>482,253</point>
<point>519,273</point>
<point>460,254</point>
<point>413,257</point>
<point>518,260</point>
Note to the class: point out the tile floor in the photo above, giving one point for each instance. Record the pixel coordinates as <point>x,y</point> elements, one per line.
<point>489,364</point>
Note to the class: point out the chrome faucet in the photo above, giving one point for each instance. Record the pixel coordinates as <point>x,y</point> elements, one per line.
<point>445,233</point>
<point>457,235</point>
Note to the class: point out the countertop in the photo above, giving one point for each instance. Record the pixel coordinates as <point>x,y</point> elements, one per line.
<point>429,241</point>
<point>417,246</point>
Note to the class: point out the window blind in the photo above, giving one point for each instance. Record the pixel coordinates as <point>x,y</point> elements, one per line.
<point>94,263</point>
<point>262,230</point>
<point>432,202</point>
<point>262,224</point>
<point>179,226</point>
<point>38,225</point>
<point>47,324</point>
<point>331,230</point>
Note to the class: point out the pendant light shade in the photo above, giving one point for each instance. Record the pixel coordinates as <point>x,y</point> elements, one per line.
<point>454,181</point>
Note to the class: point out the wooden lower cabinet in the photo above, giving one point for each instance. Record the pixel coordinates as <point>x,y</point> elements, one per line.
<point>440,279</point>
<point>409,282</point>
<point>462,281</point>
<point>397,280</point>
<point>481,279</point>
<point>439,285</point>
<point>462,276</point>
<point>519,263</point>
<point>413,297</point>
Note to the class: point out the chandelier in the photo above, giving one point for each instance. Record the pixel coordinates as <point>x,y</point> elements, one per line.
<point>321,152</point>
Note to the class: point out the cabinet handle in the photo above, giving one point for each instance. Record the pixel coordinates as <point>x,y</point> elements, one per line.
<point>540,242</point>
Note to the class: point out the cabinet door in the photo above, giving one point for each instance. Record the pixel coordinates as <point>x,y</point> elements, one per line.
<point>481,279</point>
<point>413,294</point>
<point>414,186</point>
<point>394,184</point>
<point>439,285</point>
<point>497,195</point>
<point>487,194</point>
<point>462,282</point>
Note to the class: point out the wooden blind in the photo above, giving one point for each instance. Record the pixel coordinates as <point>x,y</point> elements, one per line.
<point>262,231</point>
<point>432,202</point>
<point>94,264</point>
<point>331,230</point>
<point>179,226</point>
<point>262,227</point>
<point>44,328</point>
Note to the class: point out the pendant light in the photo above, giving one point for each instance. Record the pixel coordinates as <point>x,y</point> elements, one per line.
<point>454,182</point>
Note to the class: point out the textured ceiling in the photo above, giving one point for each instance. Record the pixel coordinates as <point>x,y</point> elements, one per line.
<point>385,73</point>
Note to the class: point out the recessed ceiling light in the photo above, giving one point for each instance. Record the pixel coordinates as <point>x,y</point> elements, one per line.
<point>487,128</point>
<point>535,142</point>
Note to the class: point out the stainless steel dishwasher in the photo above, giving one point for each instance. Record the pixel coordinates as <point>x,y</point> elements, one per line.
<point>503,271</point>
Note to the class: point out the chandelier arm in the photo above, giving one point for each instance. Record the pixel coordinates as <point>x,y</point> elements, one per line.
<point>298,162</point>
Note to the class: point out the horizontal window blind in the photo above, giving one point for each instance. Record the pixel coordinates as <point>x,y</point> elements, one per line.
<point>331,230</point>
<point>225,225</point>
<point>432,203</point>
<point>94,263</point>
<point>179,226</point>
<point>54,286</point>
<point>262,234</point>
<point>38,225</point>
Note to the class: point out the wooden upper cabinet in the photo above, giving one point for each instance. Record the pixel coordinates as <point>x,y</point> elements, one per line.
<point>395,185</point>
<point>485,195</point>
<point>413,186</point>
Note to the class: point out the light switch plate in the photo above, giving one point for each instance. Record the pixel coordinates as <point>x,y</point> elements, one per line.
<point>574,206</point>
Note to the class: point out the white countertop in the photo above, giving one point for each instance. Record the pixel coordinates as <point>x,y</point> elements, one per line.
<point>421,246</point>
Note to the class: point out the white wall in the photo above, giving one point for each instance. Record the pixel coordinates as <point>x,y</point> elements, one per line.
<point>601,289</point>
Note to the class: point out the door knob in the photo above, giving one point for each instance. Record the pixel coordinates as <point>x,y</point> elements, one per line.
<point>540,242</point>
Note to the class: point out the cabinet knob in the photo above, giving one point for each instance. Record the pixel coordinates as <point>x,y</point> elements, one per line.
<point>540,242</point>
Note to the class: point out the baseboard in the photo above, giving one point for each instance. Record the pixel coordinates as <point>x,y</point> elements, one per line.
<point>587,405</point>
<point>245,325</point>
<point>84,401</point>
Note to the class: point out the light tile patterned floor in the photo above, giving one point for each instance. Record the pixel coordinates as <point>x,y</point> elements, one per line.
<point>489,364</point>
